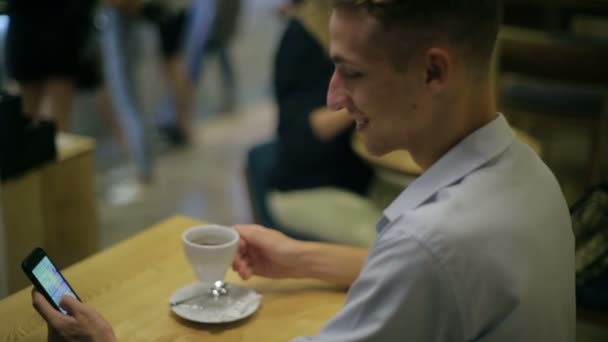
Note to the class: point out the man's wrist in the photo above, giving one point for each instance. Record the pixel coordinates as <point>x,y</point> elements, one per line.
<point>300,259</point>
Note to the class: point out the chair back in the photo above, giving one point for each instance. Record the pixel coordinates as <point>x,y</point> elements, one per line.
<point>553,56</point>
<point>258,167</point>
<point>260,159</point>
<point>556,74</point>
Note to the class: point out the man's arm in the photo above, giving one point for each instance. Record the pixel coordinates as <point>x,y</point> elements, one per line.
<point>269,253</point>
<point>404,293</point>
<point>329,262</point>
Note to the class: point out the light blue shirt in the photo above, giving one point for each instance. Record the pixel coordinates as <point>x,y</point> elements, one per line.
<point>478,248</point>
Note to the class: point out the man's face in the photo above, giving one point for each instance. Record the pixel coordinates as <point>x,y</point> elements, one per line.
<point>390,107</point>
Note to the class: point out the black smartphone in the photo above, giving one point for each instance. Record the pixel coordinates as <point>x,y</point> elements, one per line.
<point>46,278</point>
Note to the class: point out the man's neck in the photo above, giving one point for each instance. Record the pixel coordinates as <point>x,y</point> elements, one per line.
<point>465,117</point>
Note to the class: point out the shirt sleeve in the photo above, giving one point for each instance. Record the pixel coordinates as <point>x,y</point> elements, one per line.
<point>402,294</point>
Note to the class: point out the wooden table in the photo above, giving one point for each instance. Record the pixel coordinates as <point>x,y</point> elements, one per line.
<point>401,162</point>
<point>131,282</point>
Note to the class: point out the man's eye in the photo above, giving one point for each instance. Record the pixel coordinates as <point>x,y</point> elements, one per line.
<point>350,74</point>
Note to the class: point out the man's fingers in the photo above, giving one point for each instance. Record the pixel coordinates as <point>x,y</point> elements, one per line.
<point>242,229</point>
<point>242,245</point>
<point>253,236</point>
<point>242,268</point>
<point>247,231</point>
<point>45,309</point>
<point>242,248</point>
<point>70,304</point>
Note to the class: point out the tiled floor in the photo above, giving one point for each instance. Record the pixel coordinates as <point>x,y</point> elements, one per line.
<point>205,180</point>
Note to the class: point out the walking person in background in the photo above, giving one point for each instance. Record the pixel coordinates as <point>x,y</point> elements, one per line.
<point>44,44</point>
<point>120,56</point>
<point>209,31</point>
<point>222,33</point>
<point>120,20</point>
<point>183,36</point>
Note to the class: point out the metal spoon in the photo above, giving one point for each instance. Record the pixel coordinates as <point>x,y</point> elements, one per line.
<point>219,289</point>
<point>185,300</point>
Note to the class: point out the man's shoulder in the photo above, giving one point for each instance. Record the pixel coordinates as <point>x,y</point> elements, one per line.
<point>495,236</point>
<point>510,198</point>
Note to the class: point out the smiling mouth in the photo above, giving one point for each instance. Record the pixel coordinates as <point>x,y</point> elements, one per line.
<point>361,124</point>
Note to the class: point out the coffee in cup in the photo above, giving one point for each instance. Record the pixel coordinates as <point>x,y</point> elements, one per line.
<point>210,249</point>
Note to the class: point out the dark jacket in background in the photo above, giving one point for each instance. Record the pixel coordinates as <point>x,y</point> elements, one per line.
<point>46,39</point>
<point>302,74</point>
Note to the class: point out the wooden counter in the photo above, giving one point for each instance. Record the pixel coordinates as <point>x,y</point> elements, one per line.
<point>52,206</point>
<point>131,282</point>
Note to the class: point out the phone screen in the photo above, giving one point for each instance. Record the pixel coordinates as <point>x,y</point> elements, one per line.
<point>51,280</point>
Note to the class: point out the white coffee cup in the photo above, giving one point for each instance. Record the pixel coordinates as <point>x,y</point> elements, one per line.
<point>210,249</point>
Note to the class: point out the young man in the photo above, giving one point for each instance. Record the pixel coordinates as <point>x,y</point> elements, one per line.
<point>479,247</point>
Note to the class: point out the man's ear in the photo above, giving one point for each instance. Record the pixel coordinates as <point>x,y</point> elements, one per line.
<point>438,67</point>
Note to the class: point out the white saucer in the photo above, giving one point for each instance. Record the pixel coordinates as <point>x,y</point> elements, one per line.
<point>203,307</point>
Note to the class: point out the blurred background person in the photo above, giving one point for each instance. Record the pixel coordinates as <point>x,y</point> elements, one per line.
<point>218,44</point>
<point>183,36</point>
<point>319,186</point>
<point>210,29</point>
<point>44,44</point>
<point>120,45</point>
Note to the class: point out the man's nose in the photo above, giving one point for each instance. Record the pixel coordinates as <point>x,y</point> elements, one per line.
<point>336,95</point>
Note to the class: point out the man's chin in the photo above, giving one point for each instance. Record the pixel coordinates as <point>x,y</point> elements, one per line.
<point>375,150</point>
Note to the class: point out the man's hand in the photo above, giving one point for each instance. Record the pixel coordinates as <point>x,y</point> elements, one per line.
<point>269,253</point>
<point>83,323</point>
<point>265,252</point>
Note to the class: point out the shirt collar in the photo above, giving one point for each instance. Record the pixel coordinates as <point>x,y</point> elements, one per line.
<point>475,150</point>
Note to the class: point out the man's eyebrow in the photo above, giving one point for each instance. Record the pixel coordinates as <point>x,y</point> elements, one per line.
<point>337,59</point>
